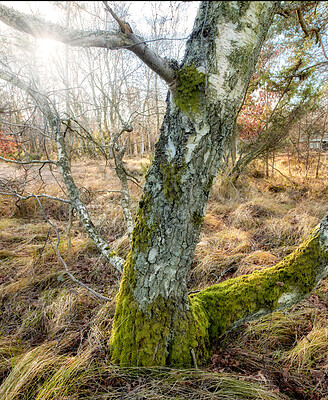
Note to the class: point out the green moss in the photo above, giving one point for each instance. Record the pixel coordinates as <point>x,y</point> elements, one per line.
<point>190,83</point>
<point>163,335</point>
<point>171,176</point>
<point>238,298</point>
<point>197,219</point>
<point>240,59</point>
<point>145,225</point>
<point>232,13</point>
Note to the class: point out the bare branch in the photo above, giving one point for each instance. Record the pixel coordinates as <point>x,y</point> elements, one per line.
<point>64,166</point>
<point>125,27</point>
<point>298,7</point>
<point>28,162</point>
<point>96,294</point>
<point>308,30</point>
<point>118,152</point>
<point>30,195</point>
<point>110,40</point>
<point>39,28</point>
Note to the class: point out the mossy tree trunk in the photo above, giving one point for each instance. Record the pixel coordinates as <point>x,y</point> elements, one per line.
<point>248,297</point>
<point>155,323</point>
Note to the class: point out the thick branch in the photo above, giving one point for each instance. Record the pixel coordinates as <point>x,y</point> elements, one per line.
<point>110,40</point>
<point>247,297</point>
<point>38,28</point>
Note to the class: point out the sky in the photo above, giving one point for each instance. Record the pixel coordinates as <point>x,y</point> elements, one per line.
<point>139,11</point>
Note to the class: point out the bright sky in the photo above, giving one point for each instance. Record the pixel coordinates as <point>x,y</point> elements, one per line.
<point>139,10</point>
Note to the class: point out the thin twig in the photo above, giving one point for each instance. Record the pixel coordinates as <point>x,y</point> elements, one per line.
<point>28,162</point>
<point>94,293</point>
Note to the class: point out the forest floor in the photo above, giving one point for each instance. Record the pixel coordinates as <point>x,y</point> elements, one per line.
<point>54,335</point>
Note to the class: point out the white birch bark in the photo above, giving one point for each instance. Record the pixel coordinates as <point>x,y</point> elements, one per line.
<point>221,54</point>
<point>190,147</point>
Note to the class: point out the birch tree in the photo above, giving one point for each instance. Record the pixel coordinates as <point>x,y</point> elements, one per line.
<point>156,322</point>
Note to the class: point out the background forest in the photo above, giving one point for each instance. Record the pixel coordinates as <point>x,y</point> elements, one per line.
<point>271,191</point>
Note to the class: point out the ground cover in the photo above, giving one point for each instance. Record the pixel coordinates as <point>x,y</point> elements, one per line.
<point>54,335</point>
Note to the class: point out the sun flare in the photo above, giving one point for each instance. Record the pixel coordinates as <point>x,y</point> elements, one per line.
<point>46,48</point>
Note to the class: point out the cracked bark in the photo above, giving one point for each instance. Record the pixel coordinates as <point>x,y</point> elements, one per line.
<point>177,187</point>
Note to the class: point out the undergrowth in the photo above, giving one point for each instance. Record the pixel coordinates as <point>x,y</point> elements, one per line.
<point>54,336</point>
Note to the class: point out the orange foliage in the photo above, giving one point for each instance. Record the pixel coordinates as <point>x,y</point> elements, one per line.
<point>254,114</point>
<point>9,146</point>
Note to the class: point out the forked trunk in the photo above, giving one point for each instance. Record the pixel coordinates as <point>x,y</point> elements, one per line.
<point>154,321</point>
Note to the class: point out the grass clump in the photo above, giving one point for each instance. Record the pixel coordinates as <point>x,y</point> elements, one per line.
<point>310,350</point>
<point>27,371</point>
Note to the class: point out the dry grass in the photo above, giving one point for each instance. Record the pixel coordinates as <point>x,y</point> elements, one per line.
<point>256,261</point>
<point>310,350</point>
<point>54,336</point>
<point>26,371</point>
<point>281,330</point>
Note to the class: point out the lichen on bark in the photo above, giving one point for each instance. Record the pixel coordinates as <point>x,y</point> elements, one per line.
<point>171,175</point>
<point>145,225</point>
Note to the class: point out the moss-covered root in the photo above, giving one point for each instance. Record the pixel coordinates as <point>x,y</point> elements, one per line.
<point>248,297</point>
<point>164,335</point>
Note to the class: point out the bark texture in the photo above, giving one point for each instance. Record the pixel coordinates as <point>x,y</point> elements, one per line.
<point>155,324</point>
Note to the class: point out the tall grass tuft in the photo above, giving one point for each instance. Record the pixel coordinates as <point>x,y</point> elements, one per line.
<point>28,371</point>
<point>68,378</point>
<point>311,349</point>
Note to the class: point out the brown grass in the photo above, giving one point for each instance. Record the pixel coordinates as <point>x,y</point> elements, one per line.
<point>54,336</point>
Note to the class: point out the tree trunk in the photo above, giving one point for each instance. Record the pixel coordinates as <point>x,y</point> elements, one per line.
<point>155,323</point>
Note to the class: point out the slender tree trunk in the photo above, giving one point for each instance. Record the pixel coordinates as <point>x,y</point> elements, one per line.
<point>154,323</point>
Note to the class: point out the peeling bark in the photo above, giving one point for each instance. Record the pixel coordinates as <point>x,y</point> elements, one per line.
<point>155,324</point>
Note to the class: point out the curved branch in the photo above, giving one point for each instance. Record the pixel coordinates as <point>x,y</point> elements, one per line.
<point>308,30</point>
<point>248,297</point>
<point>110,40</point>
<point>65,169</point>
